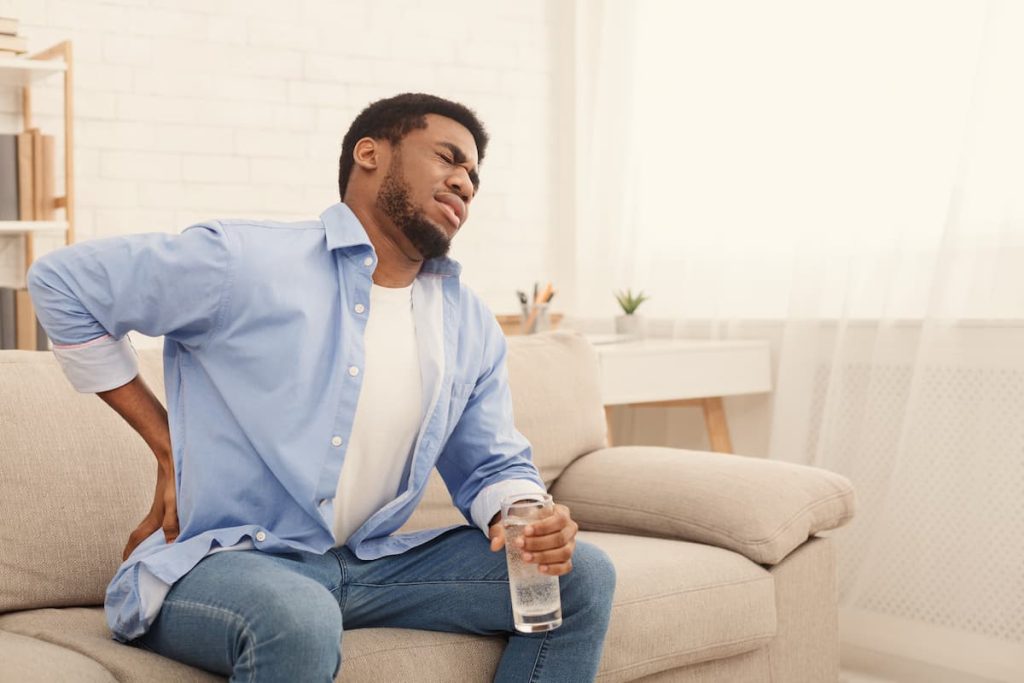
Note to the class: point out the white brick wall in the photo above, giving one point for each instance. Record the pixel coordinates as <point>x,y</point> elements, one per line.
<point>192,109</point>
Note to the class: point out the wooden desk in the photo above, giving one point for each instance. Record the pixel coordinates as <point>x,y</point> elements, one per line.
<point>684,372</point>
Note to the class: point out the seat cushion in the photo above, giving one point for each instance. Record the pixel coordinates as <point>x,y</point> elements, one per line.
<point>679,603</point>
<point>371,655</point>
<point>30,660</point>
<point>676,603</point>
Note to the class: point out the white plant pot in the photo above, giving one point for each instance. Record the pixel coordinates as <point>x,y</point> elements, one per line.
<point>629,324</point>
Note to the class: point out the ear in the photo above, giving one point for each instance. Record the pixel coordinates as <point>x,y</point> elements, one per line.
<point>367,154</point>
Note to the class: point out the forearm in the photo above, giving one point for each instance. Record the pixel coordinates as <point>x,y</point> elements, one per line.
<point>140,408</point>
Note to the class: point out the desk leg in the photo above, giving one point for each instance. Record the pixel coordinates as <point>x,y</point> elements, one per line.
<point>608,426</point>
<point>718,430</point>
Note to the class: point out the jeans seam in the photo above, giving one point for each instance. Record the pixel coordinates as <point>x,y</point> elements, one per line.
<point>238,618</point>
<point>342,581</point>
<point>539,662</point>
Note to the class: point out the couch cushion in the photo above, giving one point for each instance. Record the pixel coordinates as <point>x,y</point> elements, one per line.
<point>760,508</point>
<point>30,660</point>
<point>676,604</point>
<point>556,397</point>
<point>679,603</point>
<point>373,655</point>
<point>556,394</point>
<point>75,479</point>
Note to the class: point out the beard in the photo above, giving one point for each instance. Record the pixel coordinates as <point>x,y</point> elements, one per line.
<point>427,237</point>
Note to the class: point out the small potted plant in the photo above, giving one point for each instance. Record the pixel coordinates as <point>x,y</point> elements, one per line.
<point>630,322</point>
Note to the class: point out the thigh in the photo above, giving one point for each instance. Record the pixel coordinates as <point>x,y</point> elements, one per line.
<point>451,583</point>
<point>231,602</point>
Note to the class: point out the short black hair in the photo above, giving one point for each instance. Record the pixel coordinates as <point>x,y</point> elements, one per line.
<point>393,118</point>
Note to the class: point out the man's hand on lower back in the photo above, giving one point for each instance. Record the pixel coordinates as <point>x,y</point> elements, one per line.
<point>143,411</point>
<point>548,542</point>
<point>163,514</point>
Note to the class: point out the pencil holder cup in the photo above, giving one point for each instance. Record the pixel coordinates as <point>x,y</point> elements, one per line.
<point>538,320</point>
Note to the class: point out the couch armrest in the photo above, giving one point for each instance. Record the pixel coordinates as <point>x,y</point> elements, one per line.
<point>30,660</point>
<point>762,509</point>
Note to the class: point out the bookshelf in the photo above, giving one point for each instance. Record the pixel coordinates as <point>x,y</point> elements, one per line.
<point>23,73</point>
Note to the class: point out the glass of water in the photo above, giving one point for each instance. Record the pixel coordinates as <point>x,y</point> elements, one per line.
<point>536,603</point>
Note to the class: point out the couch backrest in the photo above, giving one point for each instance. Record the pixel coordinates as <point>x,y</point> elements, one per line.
<point>556,398</point>
<point>75,479</point>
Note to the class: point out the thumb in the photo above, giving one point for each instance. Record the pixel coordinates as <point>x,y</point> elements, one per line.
<point>497,534</point>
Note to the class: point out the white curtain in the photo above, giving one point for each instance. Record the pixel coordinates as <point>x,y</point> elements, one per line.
<point>846,179</point>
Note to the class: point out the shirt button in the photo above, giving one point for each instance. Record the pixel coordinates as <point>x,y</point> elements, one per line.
<point>322,502</point>
<point>353,371</point>
<point>360,308</point>
<point>260,536</point>
<point>368,261</point>
<point>336,441</point>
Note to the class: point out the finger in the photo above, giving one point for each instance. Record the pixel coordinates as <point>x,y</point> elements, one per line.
<point>556,556</point>
<point>553,522</point>
<point>169,523</point>
<point>554,540</point>
<point>170,526</point>
<point>556,569</point>
<point>497,534</point>
<point>136,537</point>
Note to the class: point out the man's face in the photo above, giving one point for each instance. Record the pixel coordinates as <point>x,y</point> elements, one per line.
<point>430,184</point>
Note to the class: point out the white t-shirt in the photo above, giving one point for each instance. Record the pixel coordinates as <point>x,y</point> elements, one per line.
<point>388,415</point>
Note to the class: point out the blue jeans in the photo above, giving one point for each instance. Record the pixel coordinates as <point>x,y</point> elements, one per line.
<point>260,617</point>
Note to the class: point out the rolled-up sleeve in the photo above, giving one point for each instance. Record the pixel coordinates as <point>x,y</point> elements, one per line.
<point>486,458</point>
<point>90,295</point>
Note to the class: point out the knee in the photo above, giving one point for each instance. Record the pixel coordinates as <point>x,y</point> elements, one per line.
<point>307,626</point>
<point>592,576</point>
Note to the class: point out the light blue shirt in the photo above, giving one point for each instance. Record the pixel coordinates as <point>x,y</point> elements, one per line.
<point>263,354</point>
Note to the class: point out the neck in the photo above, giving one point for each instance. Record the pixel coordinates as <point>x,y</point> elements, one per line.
<point>395,267</point>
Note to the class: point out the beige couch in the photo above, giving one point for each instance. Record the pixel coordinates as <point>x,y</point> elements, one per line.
<point>720,574</point>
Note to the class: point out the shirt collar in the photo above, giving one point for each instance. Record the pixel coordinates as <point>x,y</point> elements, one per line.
<point>344,230</point>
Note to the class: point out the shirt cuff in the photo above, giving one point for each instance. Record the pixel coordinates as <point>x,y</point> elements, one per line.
<point>102,364</point>
<point>488,502</point>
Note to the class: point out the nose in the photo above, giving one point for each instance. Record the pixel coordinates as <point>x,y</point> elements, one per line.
<point>460,184</point>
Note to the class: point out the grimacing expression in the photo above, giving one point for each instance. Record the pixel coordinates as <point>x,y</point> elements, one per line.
<point>430,184</point>
<point>429,239</point>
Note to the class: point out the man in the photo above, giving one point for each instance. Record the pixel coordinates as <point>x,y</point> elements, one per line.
<point>316,372</point>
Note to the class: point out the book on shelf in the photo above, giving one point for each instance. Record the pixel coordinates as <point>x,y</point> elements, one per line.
<point>8,212</point>
<point>27,185</point>
<point>8,26</point>
<point>8,340</point>
<point>16,44</point>
<point>9,205</point>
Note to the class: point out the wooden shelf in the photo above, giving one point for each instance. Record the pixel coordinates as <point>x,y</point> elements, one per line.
<point>33,227</point>
<point>21,71</point>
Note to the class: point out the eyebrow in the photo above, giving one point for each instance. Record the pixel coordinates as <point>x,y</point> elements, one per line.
<point>460,158</point>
